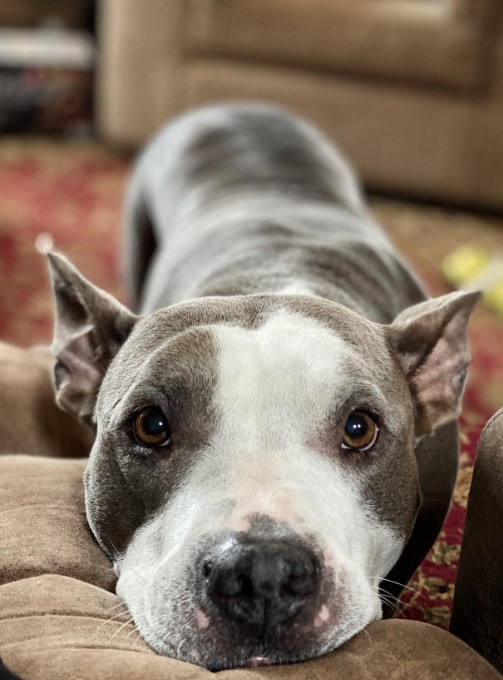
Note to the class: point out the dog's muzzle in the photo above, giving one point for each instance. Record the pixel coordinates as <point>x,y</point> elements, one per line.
<point>260,585</point>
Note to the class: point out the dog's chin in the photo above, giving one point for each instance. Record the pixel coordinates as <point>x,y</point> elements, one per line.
<point>214,655</point>
<point>230,659</point>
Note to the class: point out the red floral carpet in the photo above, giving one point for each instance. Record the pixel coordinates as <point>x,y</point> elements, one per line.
<point>74,193</point>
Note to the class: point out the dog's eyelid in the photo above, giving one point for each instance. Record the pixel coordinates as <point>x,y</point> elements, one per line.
<point>371,407</point>
<point>135,404</point>
<point>124,425</point>
<point>359,395</point>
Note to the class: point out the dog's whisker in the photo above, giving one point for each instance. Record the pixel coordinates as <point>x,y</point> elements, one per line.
<point>179,648</point>
<point>119,630</point>
<point>384,594</point>
<point>112,619</point>
<point>397,583</point>
<point>113,545</point>
<point>388,600</point>
<point>365,632</point>
<point>412,590</point>
<point>121,603</point>
<point>139,637</point>
<point>397,606</point>
<point>413,612</point>
<point>141,578</point>
<point>133,630</point>
<point>403,606</point>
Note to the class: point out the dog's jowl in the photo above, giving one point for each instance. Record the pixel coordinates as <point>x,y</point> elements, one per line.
<point>275,429</point>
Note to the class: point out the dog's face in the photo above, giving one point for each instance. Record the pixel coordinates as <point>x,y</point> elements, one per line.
<point>253,476</point>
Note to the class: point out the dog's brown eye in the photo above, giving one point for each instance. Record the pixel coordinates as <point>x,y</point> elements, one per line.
<point>151,428</point>
<point>360,432</point>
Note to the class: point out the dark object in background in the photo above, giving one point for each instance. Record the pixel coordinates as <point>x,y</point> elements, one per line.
<point>24,13</point>
<point>5,674</point>
<point>46,79</point>
<point>46,66</point>
<point>477,614</point>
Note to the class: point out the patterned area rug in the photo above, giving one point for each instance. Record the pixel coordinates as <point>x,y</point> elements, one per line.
<point>74,193</point>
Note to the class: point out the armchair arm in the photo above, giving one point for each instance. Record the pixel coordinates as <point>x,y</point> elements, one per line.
<point>477,616</point>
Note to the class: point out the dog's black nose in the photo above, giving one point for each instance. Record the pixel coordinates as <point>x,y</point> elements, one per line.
<point>261,583</point>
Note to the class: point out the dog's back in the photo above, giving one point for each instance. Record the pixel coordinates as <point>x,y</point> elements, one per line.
<point>248,199</point>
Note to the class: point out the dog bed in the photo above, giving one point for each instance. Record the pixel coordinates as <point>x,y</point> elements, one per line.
<point>60,618</point>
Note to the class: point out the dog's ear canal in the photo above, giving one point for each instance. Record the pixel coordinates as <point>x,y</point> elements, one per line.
<point>90,327</point>
<point>430,341</point>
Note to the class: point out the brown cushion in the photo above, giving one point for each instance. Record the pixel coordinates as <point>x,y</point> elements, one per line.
<point>30,421</point>
<point>59,620</point>
<point>43,528</point>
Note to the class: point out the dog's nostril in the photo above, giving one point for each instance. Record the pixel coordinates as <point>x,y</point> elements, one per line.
<point>298,586</point>
<point>301,580</point>
<point>246,589</point>
<point>228,584</point>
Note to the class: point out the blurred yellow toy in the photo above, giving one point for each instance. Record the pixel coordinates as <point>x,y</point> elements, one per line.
<point>472,268</point>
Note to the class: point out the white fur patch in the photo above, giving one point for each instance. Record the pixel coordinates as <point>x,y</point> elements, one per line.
<point>275,389</point>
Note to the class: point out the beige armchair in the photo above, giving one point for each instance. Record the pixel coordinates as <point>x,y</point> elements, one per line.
<point>412,90</point>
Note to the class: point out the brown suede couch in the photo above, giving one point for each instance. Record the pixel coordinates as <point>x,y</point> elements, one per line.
<point>60,618</point>
<point>411,89</point>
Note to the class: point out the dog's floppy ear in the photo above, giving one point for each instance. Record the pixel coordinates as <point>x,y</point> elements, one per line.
<point>90,327</point>
<point>431,344</point>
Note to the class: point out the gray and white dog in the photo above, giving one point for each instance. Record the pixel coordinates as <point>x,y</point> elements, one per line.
<point>275,434</point>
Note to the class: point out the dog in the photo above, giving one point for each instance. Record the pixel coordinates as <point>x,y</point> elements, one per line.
<point>275,421</point>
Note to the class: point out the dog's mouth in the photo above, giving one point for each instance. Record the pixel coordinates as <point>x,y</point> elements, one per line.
<point>216,643</point>
<point>252,602</point>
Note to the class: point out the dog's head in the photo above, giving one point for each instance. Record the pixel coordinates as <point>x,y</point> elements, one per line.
<point>253,477</point>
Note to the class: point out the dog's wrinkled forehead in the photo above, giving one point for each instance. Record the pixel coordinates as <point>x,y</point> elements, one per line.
<point>256,350</point>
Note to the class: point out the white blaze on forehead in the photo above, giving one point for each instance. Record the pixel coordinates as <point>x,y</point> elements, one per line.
<point>278,380</point>
<point>275,388</point>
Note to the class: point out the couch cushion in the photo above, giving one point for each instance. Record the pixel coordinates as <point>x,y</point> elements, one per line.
<point>56,627</point>
<point>43,528</point>
<point>435,43</point>
<point>30,421</point>
<point>59,620</point>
